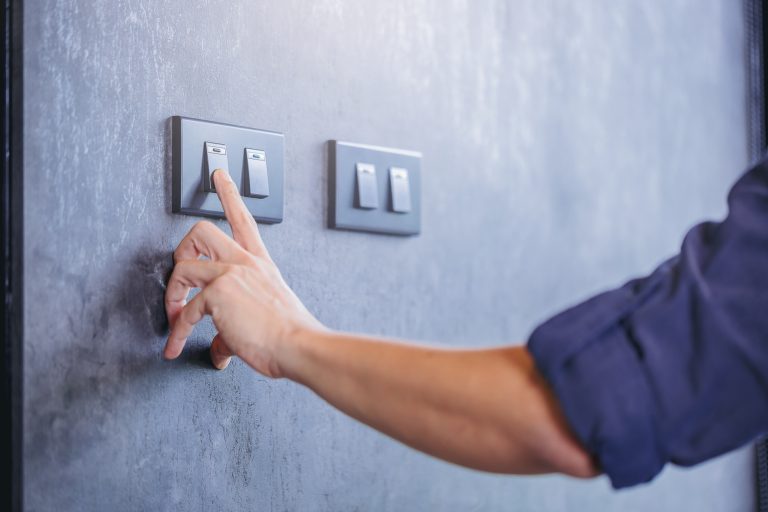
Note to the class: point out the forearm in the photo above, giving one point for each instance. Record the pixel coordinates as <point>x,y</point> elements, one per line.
<point>486,409</point>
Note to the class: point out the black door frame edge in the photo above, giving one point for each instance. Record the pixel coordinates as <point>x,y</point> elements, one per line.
<point>11,239</point>
<point>756,19</point>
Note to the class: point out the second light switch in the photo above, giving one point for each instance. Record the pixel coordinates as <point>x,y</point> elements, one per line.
<point>256,176</point>
<point>401,189</point>
<point>384,200</point>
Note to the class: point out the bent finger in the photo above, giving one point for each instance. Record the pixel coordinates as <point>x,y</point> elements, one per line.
<point>205,239</point>
<point>187,275</point>
<point>192,313</point>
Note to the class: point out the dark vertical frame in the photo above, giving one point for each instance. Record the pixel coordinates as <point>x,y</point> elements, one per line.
<point>11,238</point>
<point>761,44</point>
<point>756,19</point>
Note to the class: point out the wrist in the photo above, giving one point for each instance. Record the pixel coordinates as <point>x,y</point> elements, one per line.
<point>295,349</point>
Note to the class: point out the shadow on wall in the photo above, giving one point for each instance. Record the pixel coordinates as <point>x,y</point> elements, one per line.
<point>147,280</point>
<point>94,386</point>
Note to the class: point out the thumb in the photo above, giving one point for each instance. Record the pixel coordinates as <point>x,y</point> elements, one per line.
<point>220,353</point>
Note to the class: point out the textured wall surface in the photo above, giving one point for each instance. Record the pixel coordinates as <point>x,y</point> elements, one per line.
<point>567,147</point>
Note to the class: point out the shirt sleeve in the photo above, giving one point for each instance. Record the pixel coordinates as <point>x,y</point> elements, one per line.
<point>672,367</point>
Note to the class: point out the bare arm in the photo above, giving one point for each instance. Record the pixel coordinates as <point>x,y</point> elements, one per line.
<point>485,409</point>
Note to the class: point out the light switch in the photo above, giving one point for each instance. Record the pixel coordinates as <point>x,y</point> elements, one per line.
<point>367,188</point>
<point>215,158</point>
<point>397,199</point>
<point>400,189</point>
<point>256,178</point>
<point>191,167</point>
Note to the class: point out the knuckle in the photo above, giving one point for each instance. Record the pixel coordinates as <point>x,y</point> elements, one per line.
<point>229,279</point>
<point>180,269</point>
<point>177,253</point>
<point>220,285</point>
<point>228,269</point>
<point>202,226</point>
<point>263,266</point>
<point>266,266</point>
<point>181,266</point>
<point>237,270</point>
<point>174,278</point>
<point>184,315</point>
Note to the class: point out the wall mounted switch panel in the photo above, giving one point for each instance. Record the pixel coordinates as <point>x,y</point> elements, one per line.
<point>397,188</point>
<point>194,157</point>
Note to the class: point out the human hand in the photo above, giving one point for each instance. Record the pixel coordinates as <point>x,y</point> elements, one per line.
<point>253,309</point>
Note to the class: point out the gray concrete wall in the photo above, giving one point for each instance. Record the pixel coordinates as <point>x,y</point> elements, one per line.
<point>567,146</point>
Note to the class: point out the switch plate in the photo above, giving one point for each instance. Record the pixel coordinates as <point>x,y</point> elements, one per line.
<point>343,210</point>
<point>190,167</point>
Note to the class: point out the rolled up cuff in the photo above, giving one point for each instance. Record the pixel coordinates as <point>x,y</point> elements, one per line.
<point>605,396</point>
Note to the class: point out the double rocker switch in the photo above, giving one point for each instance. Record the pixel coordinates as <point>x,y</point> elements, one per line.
<point>368,190</point>
<point>255,177</point>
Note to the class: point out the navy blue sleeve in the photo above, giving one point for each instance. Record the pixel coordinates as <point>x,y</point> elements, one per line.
<point>672,367</point>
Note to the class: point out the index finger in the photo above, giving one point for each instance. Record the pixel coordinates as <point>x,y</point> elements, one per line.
<point>244,229</point>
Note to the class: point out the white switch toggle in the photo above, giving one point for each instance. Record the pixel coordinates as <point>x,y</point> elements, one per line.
<point>257,178</point>
<point>401,189</point>
<point>215,158</point>
<point>367,188</point>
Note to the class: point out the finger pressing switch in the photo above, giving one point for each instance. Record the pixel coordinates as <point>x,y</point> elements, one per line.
<point>401,189</point>
<point>215,158</point>
<point>256,178</point>
<point>367,189</point>
<point>199,147</point>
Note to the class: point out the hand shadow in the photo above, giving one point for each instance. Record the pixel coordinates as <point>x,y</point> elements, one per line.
<point>147,280</point>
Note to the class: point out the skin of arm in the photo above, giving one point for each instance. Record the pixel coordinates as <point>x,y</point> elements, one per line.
<point>487,409</point>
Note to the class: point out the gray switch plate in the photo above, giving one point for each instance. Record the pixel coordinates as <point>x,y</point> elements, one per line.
<point>190,168</point>
<point>344,211</point>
